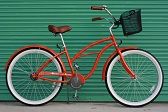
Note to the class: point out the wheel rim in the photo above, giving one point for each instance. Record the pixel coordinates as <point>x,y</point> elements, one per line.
<point>23,87</point>
<point>139,91</point>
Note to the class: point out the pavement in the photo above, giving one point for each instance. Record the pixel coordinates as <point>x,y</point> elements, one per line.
<point>80,107</point>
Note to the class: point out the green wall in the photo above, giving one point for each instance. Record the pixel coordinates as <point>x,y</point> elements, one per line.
<point>24,22</point>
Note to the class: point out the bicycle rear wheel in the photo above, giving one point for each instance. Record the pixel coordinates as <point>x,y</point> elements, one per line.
<point>27,89</point>
<point>141,90</point>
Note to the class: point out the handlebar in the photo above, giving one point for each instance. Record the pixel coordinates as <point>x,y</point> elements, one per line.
<point>97,7</point>
<point>115,22</point>
<point>97,18</point>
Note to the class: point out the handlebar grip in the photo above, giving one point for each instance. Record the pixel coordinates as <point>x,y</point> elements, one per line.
<point>97,18</point>
<point>97,7</point>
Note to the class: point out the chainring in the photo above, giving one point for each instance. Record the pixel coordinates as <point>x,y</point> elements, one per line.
<point>77,81</point>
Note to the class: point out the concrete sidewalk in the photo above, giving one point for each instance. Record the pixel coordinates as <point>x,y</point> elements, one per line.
<point>80,107</point>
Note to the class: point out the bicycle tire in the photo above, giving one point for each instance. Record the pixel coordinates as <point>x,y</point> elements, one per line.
<point>40,83</point>
<point>134,87</point>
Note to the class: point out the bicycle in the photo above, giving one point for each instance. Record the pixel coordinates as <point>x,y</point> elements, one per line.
<point>133,77</point>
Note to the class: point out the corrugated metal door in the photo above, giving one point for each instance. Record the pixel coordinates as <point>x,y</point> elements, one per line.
<point>25,22</point>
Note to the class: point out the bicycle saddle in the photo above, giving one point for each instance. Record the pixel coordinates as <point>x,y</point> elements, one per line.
<point>60,29</point>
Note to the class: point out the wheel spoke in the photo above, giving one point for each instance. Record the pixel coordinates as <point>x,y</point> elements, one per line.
<point>142,89</point>
<point>24,87</point>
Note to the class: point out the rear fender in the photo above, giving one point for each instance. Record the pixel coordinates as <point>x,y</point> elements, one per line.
<point>34,47</point>
<point>111,57</point>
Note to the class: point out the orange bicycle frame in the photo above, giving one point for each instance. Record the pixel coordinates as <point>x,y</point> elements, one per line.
<point>40,73</point>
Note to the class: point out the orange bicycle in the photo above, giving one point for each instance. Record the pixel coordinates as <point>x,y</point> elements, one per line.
<point>133,77</point>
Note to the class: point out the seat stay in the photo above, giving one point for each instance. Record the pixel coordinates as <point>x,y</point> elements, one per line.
<point>45,64</point>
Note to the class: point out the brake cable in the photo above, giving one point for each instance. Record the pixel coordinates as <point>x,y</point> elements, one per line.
<point>120,42</point>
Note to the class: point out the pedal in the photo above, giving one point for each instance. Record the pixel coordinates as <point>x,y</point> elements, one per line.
<point>76,97</point>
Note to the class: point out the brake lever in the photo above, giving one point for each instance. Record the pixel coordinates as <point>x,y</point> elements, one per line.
<point>116,24</point>
<point>97,18</point>
<point>120,42</point>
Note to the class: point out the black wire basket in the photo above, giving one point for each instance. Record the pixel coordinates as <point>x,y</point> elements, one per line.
<point>131,22</point>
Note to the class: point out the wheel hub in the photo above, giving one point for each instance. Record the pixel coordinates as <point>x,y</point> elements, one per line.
<point>33,76</point>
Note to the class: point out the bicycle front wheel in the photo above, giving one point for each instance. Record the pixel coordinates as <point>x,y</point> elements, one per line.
<point>141,90</point>
<point>26,89</point>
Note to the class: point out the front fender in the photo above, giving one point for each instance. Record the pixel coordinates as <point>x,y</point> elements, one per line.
<point>34,47</point>
<point>111,57</point>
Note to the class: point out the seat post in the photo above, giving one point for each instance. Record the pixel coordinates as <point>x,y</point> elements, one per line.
<point>67,54</point>
<point>62,40</point>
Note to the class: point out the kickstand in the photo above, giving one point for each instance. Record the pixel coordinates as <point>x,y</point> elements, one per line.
<point>67,93</point>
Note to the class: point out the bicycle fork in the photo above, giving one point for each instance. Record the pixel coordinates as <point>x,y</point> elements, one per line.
<point>125,65</point>
<point>123,62</point>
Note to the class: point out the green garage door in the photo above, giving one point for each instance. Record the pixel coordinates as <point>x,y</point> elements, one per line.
<point>24,22</point>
